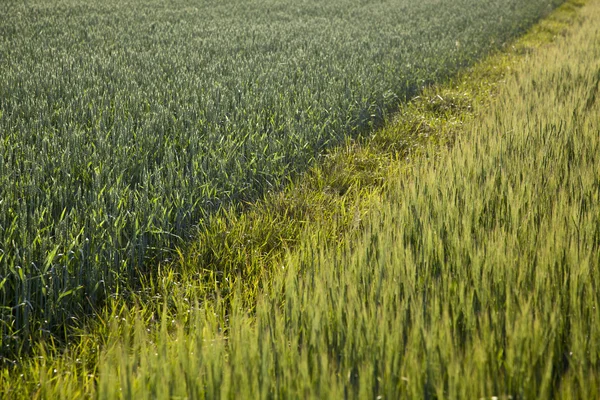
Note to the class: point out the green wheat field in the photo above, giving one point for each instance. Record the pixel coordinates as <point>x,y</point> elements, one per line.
<point>300,199</point>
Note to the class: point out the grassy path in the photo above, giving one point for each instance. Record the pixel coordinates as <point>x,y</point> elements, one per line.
<point>472,273</point>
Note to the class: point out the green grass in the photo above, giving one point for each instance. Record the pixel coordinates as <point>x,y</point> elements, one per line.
<point>473,275</point>
<point>125,125</point>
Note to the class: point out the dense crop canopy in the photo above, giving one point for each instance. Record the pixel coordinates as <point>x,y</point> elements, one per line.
<point>124,123</point>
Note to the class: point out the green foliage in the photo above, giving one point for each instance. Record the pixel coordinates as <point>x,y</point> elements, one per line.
<point>476,277</point>
<point>124,124</point>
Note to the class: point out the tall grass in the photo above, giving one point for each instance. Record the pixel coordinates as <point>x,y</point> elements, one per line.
<point>476,277</point>
<point>125,124</point>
